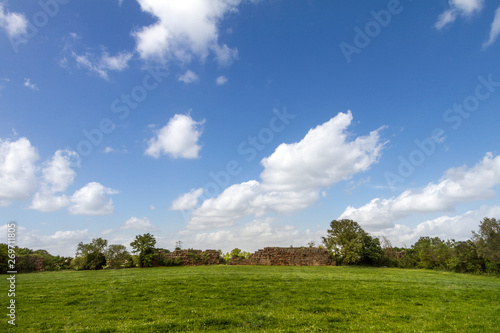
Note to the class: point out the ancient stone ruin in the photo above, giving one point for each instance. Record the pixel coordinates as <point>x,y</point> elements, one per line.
<point>287,256</point>
<point>193,257</point>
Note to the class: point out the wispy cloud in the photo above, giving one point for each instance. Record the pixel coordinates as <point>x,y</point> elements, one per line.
<point>31,85</point>
<point>101,65</point>
<point>188,77</point>
<point>221,80</point>
<point>463,8</point>
<point>495,30</point>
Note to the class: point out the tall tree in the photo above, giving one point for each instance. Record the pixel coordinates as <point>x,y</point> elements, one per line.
<point>345,241</point>
<point>144,245</point>
<point>117,255</point>
<point>91,256</point>
<point>487,241</point>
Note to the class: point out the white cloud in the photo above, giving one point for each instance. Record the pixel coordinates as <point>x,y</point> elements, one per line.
<point>188,77</point>
<point>179,138</point>
<point>29,84</point>
<point>14,24</point>
<point>17,170</point>
<point>459,185</point>
<point>139,224</point>
<point>464,8</point>
<point>92,200</point>
<point>457,227</point>
<point>57,175</point>
<point>59,243</point>
<point>495,30</point>
<point>294,175</point>
<point>257,235</point>
<point>187,201</point>
<point>232,204</point>
<point>101,65</point>
<point>109,150</point>
<point>184,29</point>
<point>221,80</point>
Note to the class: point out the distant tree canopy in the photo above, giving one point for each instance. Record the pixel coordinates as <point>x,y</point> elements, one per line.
<point>117,255</point>
<point>91,255</point>
<point>350,244</point>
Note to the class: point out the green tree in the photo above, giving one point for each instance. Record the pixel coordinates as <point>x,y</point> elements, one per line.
<point>345,240</point>
<point>4,258</point>
<point>117,255</point>
<point>92,254</point>
<point>144,245</point>
<point>487,241</point>
<point>432,252</point>
<point>372,250</point>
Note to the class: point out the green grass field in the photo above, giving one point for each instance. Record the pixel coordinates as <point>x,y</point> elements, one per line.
<point>254,298</point>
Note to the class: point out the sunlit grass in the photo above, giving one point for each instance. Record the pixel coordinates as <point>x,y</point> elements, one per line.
<point>255,298</point>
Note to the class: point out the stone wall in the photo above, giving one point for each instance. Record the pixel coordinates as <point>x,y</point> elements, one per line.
<point>193,257</point>
<point>287,256</point>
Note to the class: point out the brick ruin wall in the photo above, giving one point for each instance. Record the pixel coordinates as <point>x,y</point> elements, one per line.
<point>194,257</point>
<point>287,256</point>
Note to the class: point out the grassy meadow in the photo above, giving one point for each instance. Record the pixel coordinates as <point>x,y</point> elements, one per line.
<point>254,298</point>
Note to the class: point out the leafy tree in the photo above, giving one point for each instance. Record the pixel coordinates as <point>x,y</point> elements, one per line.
<point>487,241</point>
<point>117,255</point>
<point>372,251</point>
<point>464,258</point>
<point>4,258</point>
<point>431,252</point>
<point>345,241</point>
<point>92,254</point>
<point>144,245</point>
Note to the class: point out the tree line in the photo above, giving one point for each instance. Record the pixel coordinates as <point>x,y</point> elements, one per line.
<point>346,241</point>
<point>349,244</point>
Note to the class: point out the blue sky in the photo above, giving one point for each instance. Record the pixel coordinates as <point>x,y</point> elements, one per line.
<point>239,123</point>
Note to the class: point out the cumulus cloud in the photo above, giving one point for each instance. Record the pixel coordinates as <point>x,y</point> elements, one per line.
<point>294,175</point>
<point>138,224</point>
<point>57,175</point>
<point>17,170</point>
<point>495,30</point>
<point>256,235</point>
<point>178,139</point>
<point>14,24</point>
<point>92,200</point>
<point>464,8</point>
<point>62,242</point>
<point>458,227</point>
<point>184,29</point>
<point>187,201</point>
<point>458,185</point>
<point>221,80</point>
<point>103,64</point>
<point>188,77</point>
